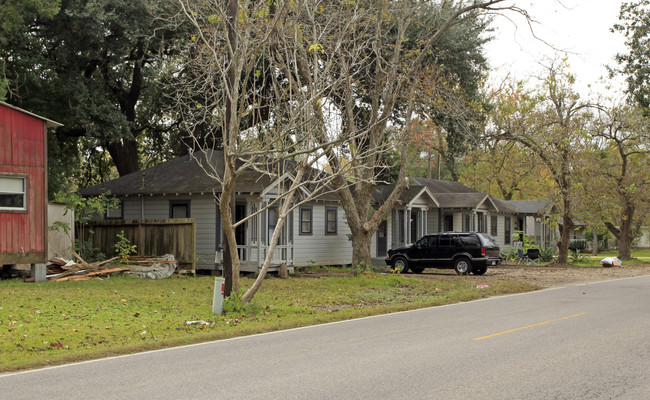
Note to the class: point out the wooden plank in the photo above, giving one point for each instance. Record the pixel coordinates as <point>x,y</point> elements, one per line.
<point>171,236</point>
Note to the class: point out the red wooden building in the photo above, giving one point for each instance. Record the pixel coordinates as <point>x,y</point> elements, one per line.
<point>23,187</point>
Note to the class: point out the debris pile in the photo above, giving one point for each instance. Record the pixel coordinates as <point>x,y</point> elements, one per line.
<point>60,269</point>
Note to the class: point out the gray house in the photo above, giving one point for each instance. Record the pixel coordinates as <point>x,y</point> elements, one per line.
<point>430,206</point>
<point>315,233</point>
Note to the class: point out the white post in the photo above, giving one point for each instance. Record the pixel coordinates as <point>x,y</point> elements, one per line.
<point>38,272</point>
<point>217,301</point>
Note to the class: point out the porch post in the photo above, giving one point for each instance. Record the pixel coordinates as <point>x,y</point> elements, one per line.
<point>407,225</point>
<point>425,223</point>
<point>259,235</point>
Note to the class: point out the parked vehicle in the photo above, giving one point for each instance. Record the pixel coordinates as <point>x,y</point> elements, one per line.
<point>464,251</point>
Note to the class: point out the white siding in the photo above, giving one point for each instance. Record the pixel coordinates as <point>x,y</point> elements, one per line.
<point>432,220</point>
<point>458,222</point>
<point>202,209</point>
<point>319,248</point>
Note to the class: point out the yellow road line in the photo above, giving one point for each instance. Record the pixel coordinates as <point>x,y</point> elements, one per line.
<point>529,326</point>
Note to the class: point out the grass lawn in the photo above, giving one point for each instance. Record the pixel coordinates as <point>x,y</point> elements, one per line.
<point>639,256</point>
<point>57,322</point>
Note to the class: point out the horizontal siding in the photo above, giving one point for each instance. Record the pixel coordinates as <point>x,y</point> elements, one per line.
<point>22,151</point>
<point>319,248</point>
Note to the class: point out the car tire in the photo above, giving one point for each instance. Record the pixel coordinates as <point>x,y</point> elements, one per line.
<point>463,266</point>
<point>417,270</point>
<point>400,264</point>
<point>479,271</point>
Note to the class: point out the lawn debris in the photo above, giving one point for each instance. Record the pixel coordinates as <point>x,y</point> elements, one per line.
<point>61,269</point>
<point>200,322</point>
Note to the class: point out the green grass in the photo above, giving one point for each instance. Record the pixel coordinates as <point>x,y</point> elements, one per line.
<point>56,322</point>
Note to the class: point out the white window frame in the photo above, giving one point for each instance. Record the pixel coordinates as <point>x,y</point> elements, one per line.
<point>3,191</point>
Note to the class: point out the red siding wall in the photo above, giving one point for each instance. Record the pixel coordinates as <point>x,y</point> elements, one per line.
<point>22,151</point>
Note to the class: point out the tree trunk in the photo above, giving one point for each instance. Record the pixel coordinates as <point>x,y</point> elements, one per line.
<point>227,258</point>
<point>125,156</point>
<point>226,220</point>
<point>565,237</point>
<point>594,244</point>
<point>361,244</point>
<point>626,235</point>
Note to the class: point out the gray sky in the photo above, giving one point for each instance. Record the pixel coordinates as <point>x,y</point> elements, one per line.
<point>579,27</point>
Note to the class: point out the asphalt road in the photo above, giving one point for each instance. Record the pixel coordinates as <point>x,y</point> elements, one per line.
<point>579,342</point>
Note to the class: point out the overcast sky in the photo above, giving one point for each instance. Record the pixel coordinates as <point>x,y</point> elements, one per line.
<point>579,27</point>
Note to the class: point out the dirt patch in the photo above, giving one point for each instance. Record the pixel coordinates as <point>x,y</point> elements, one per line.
<point>547,276</point>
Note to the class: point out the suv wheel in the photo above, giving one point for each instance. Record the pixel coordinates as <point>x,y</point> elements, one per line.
<point>400,265</point>
<point>480,271</point>
<point>462,266</point>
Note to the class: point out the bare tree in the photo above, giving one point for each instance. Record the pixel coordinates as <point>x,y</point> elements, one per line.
<point>239,92</point>
<point>618,174</point>
<point>361,50</point>
<point>552,123</point>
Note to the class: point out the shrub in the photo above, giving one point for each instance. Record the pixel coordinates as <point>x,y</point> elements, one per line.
<point>547,254</point>
<point>578,245</point>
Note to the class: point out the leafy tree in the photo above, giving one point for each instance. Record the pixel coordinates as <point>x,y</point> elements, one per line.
<point>616,183</point>
<point>507,170</point>
<point>552,123</point>
<point>95,67</point>
<point>503,167</point>
<point>634,24</point>
<point>18,21</point>
<point>372,78</point>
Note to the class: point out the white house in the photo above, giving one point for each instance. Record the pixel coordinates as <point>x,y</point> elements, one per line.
<point>431,206</point>
<point>315,233</point>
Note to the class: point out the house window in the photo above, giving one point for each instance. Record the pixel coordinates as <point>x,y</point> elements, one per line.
<point>467,224</point>
<point>254,222</point>
<point>13,193</point>
<point>449,223</point>
<point>330,220</point>
<point>482,222</point>
<point>179,209</point>
<point>115,212</point>
<point>493,226</point>
<point>507,230</point>
<point>272,221</point>
<point>306,220</point>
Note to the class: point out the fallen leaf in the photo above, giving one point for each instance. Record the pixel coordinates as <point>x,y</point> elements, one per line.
<point>136,314</point>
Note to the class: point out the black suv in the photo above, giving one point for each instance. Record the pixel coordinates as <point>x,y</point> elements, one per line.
<point>464,251</point>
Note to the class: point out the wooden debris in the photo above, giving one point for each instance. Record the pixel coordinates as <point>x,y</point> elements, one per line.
<point>77,271</point>
<point>90,275</point>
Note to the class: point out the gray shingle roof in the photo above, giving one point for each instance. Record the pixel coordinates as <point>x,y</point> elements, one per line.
<point>532,207</point>
<point>181,175</point>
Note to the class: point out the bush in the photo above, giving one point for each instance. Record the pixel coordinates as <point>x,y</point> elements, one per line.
<point>547,254</point>
<point>578,245</point>
<point>509,254</point>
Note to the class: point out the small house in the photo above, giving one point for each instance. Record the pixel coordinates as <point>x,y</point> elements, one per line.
<point>23,188</point>
<point>315,233</point>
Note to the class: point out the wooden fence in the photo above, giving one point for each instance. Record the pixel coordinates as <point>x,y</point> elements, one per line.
<point>153,237</point>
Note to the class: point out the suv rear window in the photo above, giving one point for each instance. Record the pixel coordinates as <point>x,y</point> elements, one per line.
<point>487,240</point>
<point>445,241</point>
<point>470,241</point>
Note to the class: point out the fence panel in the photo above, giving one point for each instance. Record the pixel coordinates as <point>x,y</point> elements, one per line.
<point>153,237</point>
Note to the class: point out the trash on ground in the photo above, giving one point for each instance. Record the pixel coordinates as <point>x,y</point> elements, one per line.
<point>200,322</point>
<point>609,262</point>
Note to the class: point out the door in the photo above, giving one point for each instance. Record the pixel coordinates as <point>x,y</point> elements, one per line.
<point>382,239</point>
<point>444,250</point>
<point>240,231</point>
